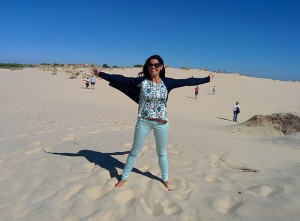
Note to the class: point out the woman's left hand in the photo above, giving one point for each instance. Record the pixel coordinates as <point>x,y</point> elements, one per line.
<point>211,76</point>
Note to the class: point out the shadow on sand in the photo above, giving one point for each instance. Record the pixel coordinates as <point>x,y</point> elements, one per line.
<point>221,118</point>
<point>191,97</point>
<point>106,161</point>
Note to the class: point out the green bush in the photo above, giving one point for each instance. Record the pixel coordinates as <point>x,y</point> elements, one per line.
<point>14,65</point>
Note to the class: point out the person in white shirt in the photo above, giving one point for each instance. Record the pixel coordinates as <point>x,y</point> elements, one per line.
<point>236,111</point>
<point>87,83</point>
<point>93,81</point>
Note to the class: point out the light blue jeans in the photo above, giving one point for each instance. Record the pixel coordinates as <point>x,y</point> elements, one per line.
<point>142,130</point>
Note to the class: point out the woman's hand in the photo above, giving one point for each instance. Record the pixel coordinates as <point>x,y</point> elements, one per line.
<point>95,71</point>
<point>211,76</point>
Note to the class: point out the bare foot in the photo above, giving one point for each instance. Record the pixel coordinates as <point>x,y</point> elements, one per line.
<point>120,183</point>
<point>167,185</point>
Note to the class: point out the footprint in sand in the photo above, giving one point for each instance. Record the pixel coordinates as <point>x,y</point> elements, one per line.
<point>127,144</point>
<point>33,151</point>
<point>95,132</point>
<point>22,135</point>
<point>174,149</point>
<point>148,205</point>
<point>213,177</point>
<point>190,215</point>
<point>89,166</point>
<point>40,132</point>
<point>94,192</point>
<point>36,148</point>
<point>68,137</point>
<point>144,151</point>
<point>226,204</point>
<point>73,191</point>
<point>145,168</point>
<point>181,188</point>
<point>170,207</point>
<point>115,128</point>
<point>125,196</point>
<point>42,196</point>
<point>157,210</point>
<point>108,216</point>
<point>104,173</point>
<point>107,188</point>
<point>263,191</point>
<point>4,138</point>
<point>227,180</point>
<point>70,218</point>
<point>215,160</point>
<point>37,143</point>
<point>97,192</point>
<point>167,207</point>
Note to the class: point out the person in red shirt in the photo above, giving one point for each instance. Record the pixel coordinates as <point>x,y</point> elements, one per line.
<point>196,91</point>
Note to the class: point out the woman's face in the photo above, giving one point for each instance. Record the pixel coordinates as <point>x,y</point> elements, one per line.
<point>154,68</point>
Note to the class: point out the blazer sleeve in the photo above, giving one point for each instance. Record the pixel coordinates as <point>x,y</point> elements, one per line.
<point>127,85</point>
<point>172,83</point>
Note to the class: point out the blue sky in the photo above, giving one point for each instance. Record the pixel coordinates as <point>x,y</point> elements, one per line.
<point>260,38</point>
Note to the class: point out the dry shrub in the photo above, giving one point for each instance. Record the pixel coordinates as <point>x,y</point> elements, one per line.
<point>238,168</point>
<point>286,123</point>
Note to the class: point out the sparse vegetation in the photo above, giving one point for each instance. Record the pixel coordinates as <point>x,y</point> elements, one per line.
<point>75,75</point>
<point>15,66</point>
<point>54,71</point>
<point>236,167</point>
<point>285,123</point>
<point>186,68</point>
<point>204,69</point>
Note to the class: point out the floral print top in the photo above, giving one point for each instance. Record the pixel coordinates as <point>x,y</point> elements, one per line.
<point>152,100</point>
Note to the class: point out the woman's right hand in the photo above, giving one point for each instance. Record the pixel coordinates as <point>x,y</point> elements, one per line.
<point>211,76</point>
<point>95,71</point>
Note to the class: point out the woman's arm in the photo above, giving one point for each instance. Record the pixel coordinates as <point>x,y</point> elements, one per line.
<point>98,73</point>
<point>127,85</point>
<point>117,78</point>
<point>175,83</point>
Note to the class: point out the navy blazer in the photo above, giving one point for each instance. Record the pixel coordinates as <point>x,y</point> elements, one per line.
<point>130,85</point>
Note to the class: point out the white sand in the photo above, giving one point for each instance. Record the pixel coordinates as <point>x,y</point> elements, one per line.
<point>60,142</point>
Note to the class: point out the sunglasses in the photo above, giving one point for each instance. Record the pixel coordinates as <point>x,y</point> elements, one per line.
<point>156,65</point>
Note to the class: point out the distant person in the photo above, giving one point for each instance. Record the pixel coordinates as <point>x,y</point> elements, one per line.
<point>196,91</point>
<point>87,83</point>
<point>214,90</point>
<point>93,82</point>
<point>236,111</point>
<point>150,92</point>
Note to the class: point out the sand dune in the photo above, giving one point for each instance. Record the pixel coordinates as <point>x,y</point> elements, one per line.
<point>63,146</point>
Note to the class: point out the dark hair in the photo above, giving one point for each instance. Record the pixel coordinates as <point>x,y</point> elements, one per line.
<point>146,70</point>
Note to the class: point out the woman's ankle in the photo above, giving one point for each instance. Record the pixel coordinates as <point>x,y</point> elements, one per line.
<point>167,185</point>
<point>120,183</point>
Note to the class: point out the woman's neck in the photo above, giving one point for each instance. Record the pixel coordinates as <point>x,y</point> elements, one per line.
<point>156,80</point>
